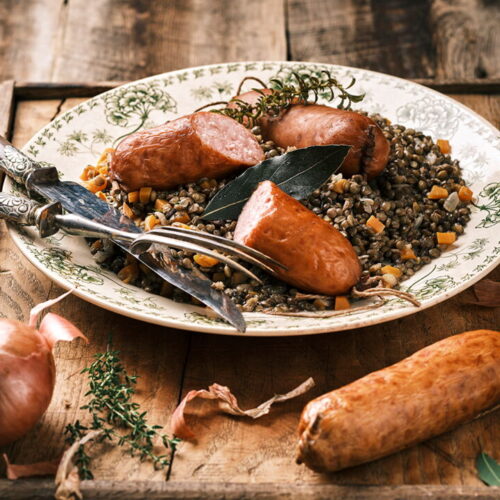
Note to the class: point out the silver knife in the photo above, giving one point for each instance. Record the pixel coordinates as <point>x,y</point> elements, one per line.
<point>75,199</point>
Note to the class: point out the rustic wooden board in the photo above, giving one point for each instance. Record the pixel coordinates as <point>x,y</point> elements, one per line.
<point>46,40</point>
<point>22,286</point>
<point>439,39</point>
<point>61,40</point>
<point>171,490</point>
<point>232,450</point>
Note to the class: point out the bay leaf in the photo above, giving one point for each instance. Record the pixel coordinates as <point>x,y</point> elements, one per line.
<point>298,173</point>
<point>488,469</point>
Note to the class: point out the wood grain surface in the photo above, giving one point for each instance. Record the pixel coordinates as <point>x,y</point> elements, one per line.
<point>441,39</point>
<point>170,363</point>
<point>452,45</point>
<point>171,490</point>
<point>82,40</point>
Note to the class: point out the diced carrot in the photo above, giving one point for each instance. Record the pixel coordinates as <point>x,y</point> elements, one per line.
<point>133,197</point>
<point>444,146</point>
<point>103,170</point>
<point>339,186</point>
<point>205,260</point>
<point>150,222</point>
<point>97,183</point>
<point>101,195</point>
<point>145,194</point>
<point>342,302</point>
<point>182,218</point>
<point>391,270</point>
<point>88,173</point>
<point>97,245</point>
<point>446,238</point>
<point>129,273</point>
<point>127,211</point>
<point>437,193</point>
<point>375,224</point>
<point>407,253</point>
<point>465,194</point>
<point>161,204</point>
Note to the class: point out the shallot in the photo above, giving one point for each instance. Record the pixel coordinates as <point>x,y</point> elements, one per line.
<point>27,369</point>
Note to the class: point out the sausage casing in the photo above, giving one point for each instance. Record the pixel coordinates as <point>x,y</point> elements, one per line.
<point>304,125</point>
<point>318,257</point>
<point>184,150</point>
<point>424,395</point>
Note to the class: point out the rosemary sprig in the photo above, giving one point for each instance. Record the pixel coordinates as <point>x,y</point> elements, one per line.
<point>112,411</point>
<point>284,95</point>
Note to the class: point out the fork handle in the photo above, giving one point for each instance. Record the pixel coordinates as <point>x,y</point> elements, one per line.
<point>26,212</point>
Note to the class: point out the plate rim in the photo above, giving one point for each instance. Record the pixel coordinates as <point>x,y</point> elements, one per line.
<point>289,331</point>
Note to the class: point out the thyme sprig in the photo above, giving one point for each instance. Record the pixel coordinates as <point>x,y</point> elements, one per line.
<point>114,413</point>
<point>307,88</point>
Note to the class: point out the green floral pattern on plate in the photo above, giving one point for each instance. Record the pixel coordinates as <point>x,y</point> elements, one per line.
<point>77,138</point>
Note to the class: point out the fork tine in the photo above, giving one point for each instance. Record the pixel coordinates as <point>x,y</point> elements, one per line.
<point>216,245</point>
<point>148,238</point>
<point>230,243</point>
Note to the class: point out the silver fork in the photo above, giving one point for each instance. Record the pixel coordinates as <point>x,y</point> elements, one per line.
<point>49,219</point>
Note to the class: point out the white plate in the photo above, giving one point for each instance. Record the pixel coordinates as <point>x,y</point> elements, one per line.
<point>77,138</point>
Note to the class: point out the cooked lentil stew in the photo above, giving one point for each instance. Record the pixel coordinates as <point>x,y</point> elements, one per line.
<point>395,222</point>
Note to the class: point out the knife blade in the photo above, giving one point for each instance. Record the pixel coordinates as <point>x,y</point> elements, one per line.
<point>74,198</point>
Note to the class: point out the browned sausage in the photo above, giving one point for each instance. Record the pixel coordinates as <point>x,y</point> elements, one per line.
<point>317,125</point>
<point>184,150</point>
<point>318,257</point>
<point>430,392</point>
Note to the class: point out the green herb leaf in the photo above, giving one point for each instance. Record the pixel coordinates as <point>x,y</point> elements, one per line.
<point>307,86</point>
<point>488,469</point>
<point>298,173</point>
<point>113,412</point>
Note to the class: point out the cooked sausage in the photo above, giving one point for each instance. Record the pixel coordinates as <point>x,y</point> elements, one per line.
<point>304,125</point>
<point>184,150</point>
<point>318,257</point>
<point>432,391</point>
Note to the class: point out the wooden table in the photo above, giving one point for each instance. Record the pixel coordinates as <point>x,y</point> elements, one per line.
<point>451,46</point>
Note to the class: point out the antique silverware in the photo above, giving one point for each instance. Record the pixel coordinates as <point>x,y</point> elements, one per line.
<point>77,200</point>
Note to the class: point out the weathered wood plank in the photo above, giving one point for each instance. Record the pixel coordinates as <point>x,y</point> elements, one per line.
<point>264,450</point>
<point>466,38</point>
<point>392,37</point>
<point>240,451</point>
<point>156,354</point>
<point>49,90</point>
<point>107,490</point>
<point>135,38</point>
<point>440,39</point>
<point>28,31</point>
<point>6,107</point>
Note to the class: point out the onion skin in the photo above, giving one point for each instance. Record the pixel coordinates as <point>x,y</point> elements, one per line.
<point>27,377</point>
<point>27,369</point>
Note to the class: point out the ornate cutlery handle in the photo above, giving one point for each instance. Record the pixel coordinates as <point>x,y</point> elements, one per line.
<point>26,212</point>
<point>19,167</point>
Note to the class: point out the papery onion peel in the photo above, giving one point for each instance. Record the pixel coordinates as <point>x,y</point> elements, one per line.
<point>228,404</point>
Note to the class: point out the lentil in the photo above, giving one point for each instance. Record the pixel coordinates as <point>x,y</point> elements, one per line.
<point>401,199</point>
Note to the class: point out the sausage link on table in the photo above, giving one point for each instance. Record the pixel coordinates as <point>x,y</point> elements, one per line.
<point>199,145</point>
<point>318,257</point>
<point>304,125</point>
<point>424,395</point>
